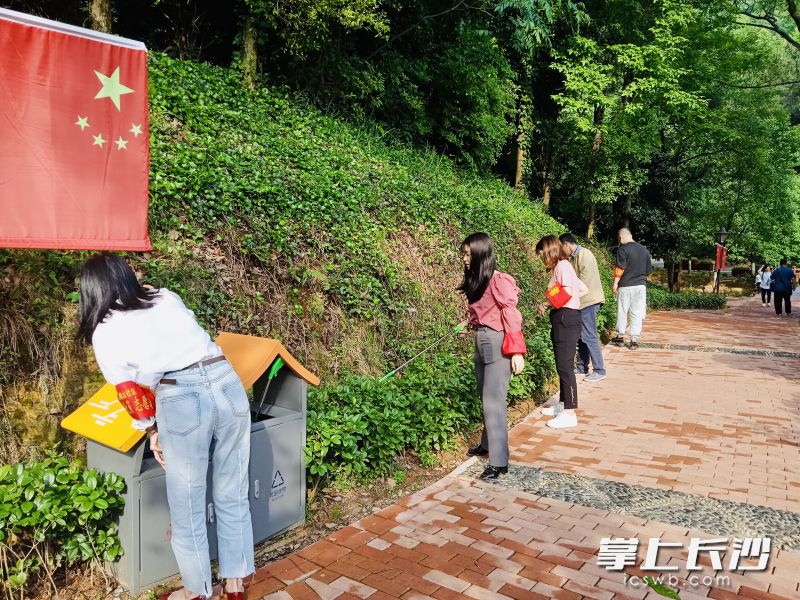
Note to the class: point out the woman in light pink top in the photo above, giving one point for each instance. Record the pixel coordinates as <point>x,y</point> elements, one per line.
<point>565,328</point>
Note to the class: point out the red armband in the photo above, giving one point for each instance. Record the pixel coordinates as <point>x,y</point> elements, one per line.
<point>513,343</point>
<point>138,400</point>
<point>618,271</point>
<point>558,296</point>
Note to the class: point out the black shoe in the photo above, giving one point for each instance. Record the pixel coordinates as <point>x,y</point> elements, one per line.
<point>618,341</point>
<point>633,346</point>
<point>477,451</point>
<point>491,472</point>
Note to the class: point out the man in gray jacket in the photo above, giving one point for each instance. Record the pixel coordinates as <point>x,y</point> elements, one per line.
<point>589,349</point>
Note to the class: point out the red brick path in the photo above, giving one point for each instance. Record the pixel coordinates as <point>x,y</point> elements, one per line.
<point>714,424</point>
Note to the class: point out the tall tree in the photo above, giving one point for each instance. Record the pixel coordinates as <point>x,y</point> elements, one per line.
<point>100,14</point>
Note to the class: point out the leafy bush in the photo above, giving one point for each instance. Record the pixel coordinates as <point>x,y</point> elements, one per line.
<point>661,299</point>
<point>54,514</point>
<point>356,429</point>
<point>742,271</point>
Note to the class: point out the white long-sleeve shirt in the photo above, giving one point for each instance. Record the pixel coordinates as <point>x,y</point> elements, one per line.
<point>142,345</point>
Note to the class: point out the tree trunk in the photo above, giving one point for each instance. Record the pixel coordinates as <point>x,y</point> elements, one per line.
<point>592,221</point>
<point>599,113</point>
<point>627,212</point>
<point>673,275</point>
<point>547,190</point>
<point>250,51</point>
<point>520,144</point>
<point>100,13</point>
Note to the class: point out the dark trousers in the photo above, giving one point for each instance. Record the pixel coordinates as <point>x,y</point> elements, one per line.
<point>564,333</point>
<point>786,299</point>
<point>766,294</point>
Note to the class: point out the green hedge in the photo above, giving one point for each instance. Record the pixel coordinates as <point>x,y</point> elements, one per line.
<point>356,429</point>
<point>660,299</point>
<point>54,514</point>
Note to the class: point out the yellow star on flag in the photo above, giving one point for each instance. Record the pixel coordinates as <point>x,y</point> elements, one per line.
<point>82,122</point>
<point>112,88</point>
<point>121,144</point>
<point>136,130</point>
<point>98,140</point>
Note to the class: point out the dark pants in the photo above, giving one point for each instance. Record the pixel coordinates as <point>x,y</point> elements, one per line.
<point>589,349</point>
<point>786,299</point>
<point>766,295</point>
<point>564,333</point>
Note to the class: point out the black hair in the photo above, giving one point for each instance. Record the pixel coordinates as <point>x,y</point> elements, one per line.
<point>784,262</point>
<point>108,282</point>
<point>567,238</point>
<point>481,269</point>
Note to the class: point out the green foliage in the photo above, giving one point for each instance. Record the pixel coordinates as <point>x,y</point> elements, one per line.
<point>314,208</point>
<point>660,299</point>
<point>53,514</point>
<point>305,25</point>
<point>356,429</point>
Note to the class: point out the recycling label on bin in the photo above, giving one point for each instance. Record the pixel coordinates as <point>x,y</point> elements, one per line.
<point>278,486</point>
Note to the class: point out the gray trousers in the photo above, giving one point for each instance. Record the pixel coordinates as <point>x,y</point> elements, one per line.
<point>493,373</point>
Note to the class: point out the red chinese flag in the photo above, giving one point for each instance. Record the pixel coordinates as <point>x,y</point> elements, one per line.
<point>74,156</point>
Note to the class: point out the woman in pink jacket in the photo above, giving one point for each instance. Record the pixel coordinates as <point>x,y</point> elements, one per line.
<point>499,346</point>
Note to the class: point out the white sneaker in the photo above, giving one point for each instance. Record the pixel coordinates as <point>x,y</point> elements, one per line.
<point>549,411</point>
<point>564,420</point>
<point>763,304</point>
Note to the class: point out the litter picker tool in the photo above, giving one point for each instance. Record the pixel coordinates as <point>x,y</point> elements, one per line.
<point>457,329</point>
<point>276,366</point>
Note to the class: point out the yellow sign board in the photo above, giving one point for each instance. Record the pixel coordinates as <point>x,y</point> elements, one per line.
<point>103,419</point>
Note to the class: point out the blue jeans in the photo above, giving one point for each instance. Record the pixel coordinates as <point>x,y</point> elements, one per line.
<point>589,349</point>
<point>207,404</point>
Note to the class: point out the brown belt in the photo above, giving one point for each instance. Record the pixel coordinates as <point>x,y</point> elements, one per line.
<point>208,361</point>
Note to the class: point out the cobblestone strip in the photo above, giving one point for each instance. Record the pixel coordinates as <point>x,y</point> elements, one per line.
<point>694,348</point>
<point>718,517</point>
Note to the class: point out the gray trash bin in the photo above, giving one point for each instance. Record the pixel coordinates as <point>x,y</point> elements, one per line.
<point>277,470</point>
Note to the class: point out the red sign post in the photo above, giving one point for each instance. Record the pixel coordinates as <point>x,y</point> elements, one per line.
<point>74,155</point>
<point>721,258</point>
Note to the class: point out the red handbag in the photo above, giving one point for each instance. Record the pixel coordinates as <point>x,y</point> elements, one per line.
<point>513,343</point>
<point>558,296</point>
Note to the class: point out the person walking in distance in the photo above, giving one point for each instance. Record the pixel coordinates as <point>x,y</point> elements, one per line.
<point>499,346</point>
<point>783,284</point>
<point>589,350</point>
<point>565,330</point>
<point>764,284</point>
<point>634,264</point>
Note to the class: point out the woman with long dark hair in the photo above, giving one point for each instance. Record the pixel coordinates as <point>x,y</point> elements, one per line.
<point>499,346</point>
<point>565,328</point>
<point>179,388</point>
